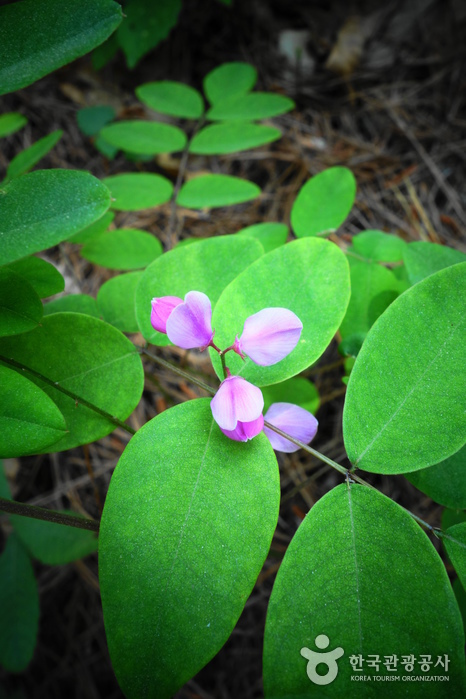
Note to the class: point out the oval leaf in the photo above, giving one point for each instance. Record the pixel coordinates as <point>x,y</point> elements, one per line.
<point>11,122</point>
<point>26,160</point>
<point>379,246</point>
<point>423,259</point>
<point>169,97</point>
<point>74,303</point>
<point>94,229</point>
<point>207,266</point>
<point>324,202</point>
<point>116,301</point>
<point>250,107</point>
<point>89,358</point>
<point>45,207</point>
<point>297,390</point>
<point>405,405</point>
<point>270,235</point>
<point>397,601</point>
<point>135,191</point>
<point>29,49</point>
<point>168,569</point>
<point>20,306</point>
<point>92,119</point>
<point>146,24</point>
<point>445,482</point>
<point>42,275</point>
<point>454,541</point>
<point>29,420</point>
<point>231,137</point>
<point>229,80</point>
<point>144,137</point>
<point>309,277</point>
<point>209,191</point>
<point>127,248</point>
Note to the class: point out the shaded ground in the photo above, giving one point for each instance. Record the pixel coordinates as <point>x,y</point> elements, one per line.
<point>397,121</point>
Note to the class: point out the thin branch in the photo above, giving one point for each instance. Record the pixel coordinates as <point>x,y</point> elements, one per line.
<point>20,508</point>
<point>180,372</point>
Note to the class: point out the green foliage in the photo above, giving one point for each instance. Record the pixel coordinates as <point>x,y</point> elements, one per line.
<point>116,301</point>
<point>324,202</point>
<point>94,229</point>
<point>134,191</point>
<point>39,37</point>
<point>403,409</point>
<point>25,161</point>
<point>231,137</point>
<point>11,122</point>
<point>43,208</point>
<point>20,306</point>
<point>87,357</point>
<point>319,270</point>
<point>174,578</point>
<point>445,482</point>
<point>454,541</point>
<point>144,137</point>
<point>229,80</point>
<point>74,303</point>
<point>297,390</point>
<point>270,235</point>
<point>379,247</point>
<point>423,259</point>
<point>208,191</point>
<point>40,274</point>
<point>92,119</point>
<point>357,570</point>
<point>250,107</point>
<point>126,249</point>
<point>172,98</point>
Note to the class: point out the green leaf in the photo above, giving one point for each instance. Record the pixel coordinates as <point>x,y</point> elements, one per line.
<point>105,52</point>
<point>105,147</point>
<point>379,246</point>
<point>89,358</point>
<point>250,107</point>
<point>145,25</point>
<point>207,266</point>
<point>179,568</point>
<point>403,408</point>
<point>361,572</point>
<point>270,235</point>
<point>373,288</point>
<point>11,122</point>
<point>74,303</point>
<point>42,275</point>
<point>39,37</point>
<point>229,80</point>
<point>452,517</point>
<point>19,607</point>
<point>144,137</point>
<point>43,208</point>
<point>25,161</point>
<point>460,594</point>
<point>297,390</point>
<point>92,119</point>
<point>208,191</point>
<point>94,229</point>
<point>135,191</point>
<point>126,248</point>
<point>423,259</point>
<point>169,97</point>
<point>29,420</point>
<point>324,202</point>
<point>51,543</point>
<point>445,482</point>
<point>20,306</point>
<point>231,137</point>
<point>116,301</point>
<point>454,541</point>
<point>311,278</point>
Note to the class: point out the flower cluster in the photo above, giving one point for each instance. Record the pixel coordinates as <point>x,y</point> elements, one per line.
<point>268,337</point>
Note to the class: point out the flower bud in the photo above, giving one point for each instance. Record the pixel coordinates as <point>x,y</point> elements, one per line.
<point>245,430</point>
<point>269,335</point>
<point>161,310</point>
<point>295,421</point>
<point>236,400</point>
<point>190,323</point>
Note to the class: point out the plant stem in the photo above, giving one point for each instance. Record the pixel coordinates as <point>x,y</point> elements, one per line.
<point>20,508</point>
<point>180,372</point>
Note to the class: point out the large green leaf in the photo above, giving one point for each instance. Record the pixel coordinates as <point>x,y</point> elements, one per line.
<point>92,119</point>
<point>29,420</point>
<point>74,303</point>
<point>169,97</point>
<point>231,137</point>
<point>94,229</point>
<point>379,246</point>
<point>146,24</point>
<point>133,191</point>
<point>423,259</point>
<point>89,358</point>
<point>269,234</point>
<point>445,482</point>
<point>454,541</point>
<point>43,208</point>
<point>20,306</point>
<point>175,572</point>
<point>144,137</point>
<point>11,122</point>
<point>126,248</point>
<point>42,275</point>
<point>25,161</point>
<point>19,607</point>
<point>396,600</point>
<point>116,301</point>
<point>39,37</point>
<point>311,278</point>
<point>209,191</point>
<point>405,405</point>
<point>207,266</point>
<point>250,107</point>
<point>229,80</point>
<point>297,390</point>
<point>324,202</point>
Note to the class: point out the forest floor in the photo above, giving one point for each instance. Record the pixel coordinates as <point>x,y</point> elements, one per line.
<point>393,110</point>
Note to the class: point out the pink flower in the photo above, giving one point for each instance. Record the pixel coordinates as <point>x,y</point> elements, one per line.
<point>293,420</point>
<point>161,310</point>
<point>189,325</point>
<point>269,336</point>
<point>236,405</point>
<point>245,430</point>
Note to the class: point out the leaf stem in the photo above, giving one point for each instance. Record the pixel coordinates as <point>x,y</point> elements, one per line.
<point>20,508</point>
